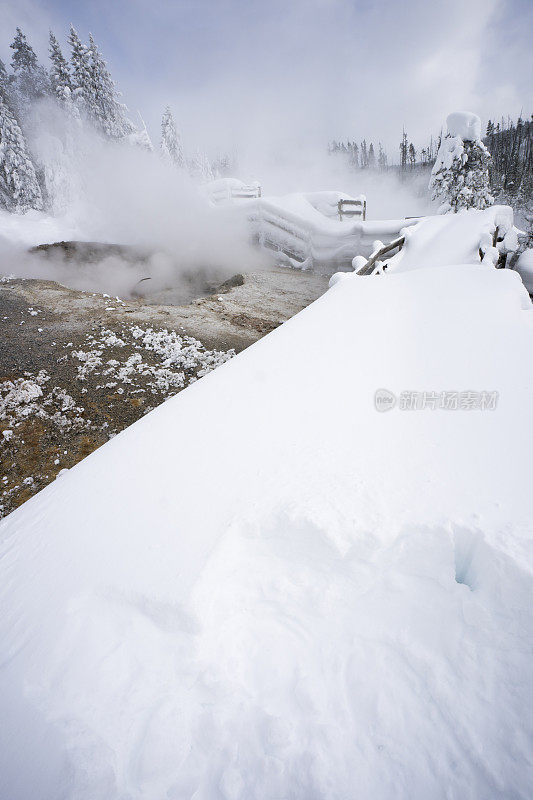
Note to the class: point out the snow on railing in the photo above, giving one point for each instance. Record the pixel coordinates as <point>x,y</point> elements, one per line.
<point>309,229</point>
<point>489,235</point>
<point>316,241</point>
<point>380,251</point>
<point>246,191</point>
<point>303,243</point>
<point>226,190</point>
<point>352,208</point>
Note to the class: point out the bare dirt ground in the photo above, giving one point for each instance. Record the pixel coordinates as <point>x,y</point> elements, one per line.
<point>76,368</point>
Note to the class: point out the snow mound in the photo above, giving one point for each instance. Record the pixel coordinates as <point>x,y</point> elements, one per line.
<point>452,239</point>
<point>524,266</point>
<point>33,228</point>
<point>268,588</point>
<point>465,125</point>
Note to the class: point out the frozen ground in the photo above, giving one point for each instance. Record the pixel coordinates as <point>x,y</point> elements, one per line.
<point>267,588</point>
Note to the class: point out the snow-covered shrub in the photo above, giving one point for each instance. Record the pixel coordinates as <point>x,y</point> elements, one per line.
<point>460,176</point>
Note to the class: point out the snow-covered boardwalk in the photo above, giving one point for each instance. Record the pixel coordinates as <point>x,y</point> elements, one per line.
<point>306,230</point>
<point>267,588</point>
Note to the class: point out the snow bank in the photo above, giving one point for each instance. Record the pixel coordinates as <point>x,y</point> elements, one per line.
<point>267,588</point>
<point>452,239</point>
<point>35,227</point>
<point>524,267</point>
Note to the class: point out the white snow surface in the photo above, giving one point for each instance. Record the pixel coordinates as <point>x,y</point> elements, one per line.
<point>267,589</point>
<point>524,267</point>
<point>36,227</point>
<point>451,238</point>
<point>465,125</point>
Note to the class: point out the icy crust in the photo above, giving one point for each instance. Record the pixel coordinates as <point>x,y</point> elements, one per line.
<point>182,359</point>
<point>30,397</point>
<point>266,588</point>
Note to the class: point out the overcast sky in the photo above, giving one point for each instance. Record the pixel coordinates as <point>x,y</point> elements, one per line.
<point>258,72</point>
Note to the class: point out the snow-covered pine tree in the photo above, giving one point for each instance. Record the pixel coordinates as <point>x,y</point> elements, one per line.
<point>364,155</point>
<point>207,169</point>
<point>460,176</point>
<point>171,146</point>
<point>371,157</point>
<point>354,156</point>
<point>3,79</point>
<point>382,157</point>
<point>59,72</point>
<point>108,113</point>
<point>81,79</point>
<point>141,138</point>
<point>404,147</point>
<point>55,136</point>
<point>19,189</point>
<point>200,167</point>
<point>29,80</point>
<point>24,57</point>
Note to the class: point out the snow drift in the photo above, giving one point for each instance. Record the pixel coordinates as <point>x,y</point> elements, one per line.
<point>524,267</point>
<point>266,588</point>
<point>456,239</point>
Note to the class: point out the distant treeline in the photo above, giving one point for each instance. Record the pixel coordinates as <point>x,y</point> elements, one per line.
<point>510,144</point>
<point>364,156</point>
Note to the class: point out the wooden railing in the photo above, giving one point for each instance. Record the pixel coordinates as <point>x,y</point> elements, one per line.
<point>368,268</point>
<point>397,244</point>
<point>351,208</point>
<point>245,192</point>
